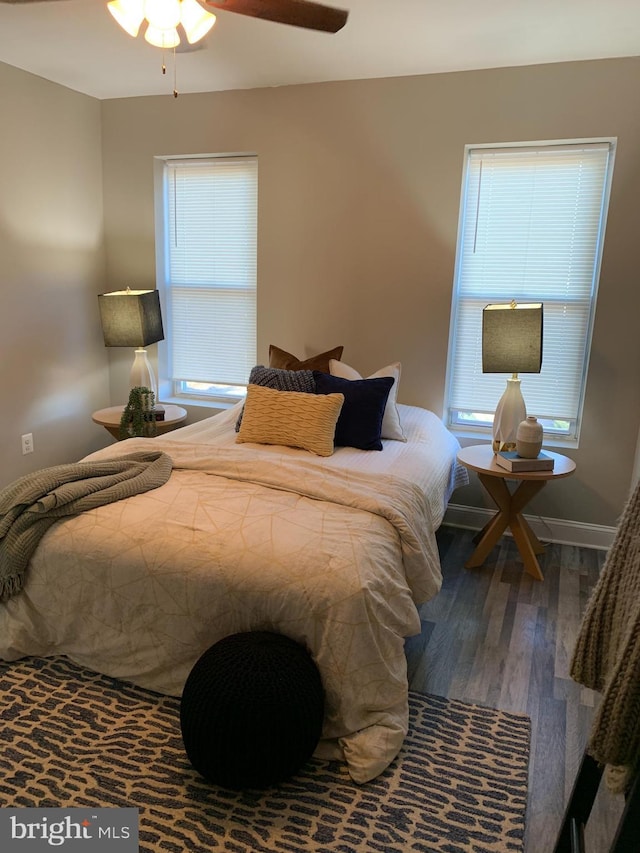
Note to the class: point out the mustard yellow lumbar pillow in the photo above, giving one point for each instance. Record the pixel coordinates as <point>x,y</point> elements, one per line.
<point>290,418</point>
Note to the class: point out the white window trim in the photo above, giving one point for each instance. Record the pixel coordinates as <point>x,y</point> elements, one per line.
<point>480,432</point>
<point>168,389</point>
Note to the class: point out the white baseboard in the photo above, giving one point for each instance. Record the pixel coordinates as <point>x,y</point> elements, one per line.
<point>546,529</point>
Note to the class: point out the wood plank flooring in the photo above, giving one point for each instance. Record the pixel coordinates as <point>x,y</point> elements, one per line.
<point>495,636</point>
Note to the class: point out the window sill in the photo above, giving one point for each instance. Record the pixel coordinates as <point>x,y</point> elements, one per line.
<point>199,403</point>
<point>467,436</point>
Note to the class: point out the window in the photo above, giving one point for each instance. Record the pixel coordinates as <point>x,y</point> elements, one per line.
<point>206,223</point>
<point>532,221</point>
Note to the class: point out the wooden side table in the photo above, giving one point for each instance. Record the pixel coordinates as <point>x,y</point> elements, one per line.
<point>110,418</point>
<point>480,458</point>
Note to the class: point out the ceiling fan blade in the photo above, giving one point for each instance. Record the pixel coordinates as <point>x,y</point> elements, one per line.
<point>297,13</point>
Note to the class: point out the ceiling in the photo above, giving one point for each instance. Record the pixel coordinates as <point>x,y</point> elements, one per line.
<point>78,44</point>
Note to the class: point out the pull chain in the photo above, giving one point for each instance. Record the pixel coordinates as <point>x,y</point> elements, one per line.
<point>175,75</point>
<point>175,71</point>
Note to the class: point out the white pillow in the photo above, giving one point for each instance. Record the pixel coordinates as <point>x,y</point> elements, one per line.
<point>391,427</point>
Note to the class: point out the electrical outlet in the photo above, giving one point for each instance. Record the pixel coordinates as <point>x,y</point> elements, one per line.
<point>27,443</point>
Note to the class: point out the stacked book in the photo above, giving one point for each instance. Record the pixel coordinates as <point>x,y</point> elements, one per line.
<point>510,460</point>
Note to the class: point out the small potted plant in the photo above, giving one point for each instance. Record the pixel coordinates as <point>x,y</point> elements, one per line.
<point>139,417</point>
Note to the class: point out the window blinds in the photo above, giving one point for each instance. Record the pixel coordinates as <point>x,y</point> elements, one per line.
<point>532,224</point>
<point>210,262</point>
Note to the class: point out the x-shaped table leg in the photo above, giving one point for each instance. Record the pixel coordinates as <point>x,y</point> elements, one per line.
<point>510,506</point>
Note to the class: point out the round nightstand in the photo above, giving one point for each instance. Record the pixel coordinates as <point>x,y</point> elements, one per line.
<point>110,418</point>
<point>481,459</point>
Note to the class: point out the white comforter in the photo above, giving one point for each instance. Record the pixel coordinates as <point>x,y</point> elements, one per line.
<point>335,553</point>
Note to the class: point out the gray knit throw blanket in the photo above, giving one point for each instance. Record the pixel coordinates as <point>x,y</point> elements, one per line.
<point>31,504</point>
<point>607,654</point>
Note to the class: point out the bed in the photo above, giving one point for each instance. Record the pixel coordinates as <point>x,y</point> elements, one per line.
<point>335,552</point>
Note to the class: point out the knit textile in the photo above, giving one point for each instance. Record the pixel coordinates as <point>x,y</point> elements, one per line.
<point>280,380</point>
<point>607,654</point>
<point>31,504</point>
<point>252,709</point>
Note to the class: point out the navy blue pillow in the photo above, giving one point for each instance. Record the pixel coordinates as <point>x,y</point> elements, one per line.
<point>360,421</point>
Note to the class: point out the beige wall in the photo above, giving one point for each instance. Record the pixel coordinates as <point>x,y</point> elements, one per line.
<point>359,187</point>
<point>359,194</point>
<point>53,366</point>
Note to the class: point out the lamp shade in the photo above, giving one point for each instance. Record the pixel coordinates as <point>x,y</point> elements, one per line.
<point>131,318</point>
<point>195,20</point>
<point>128,13</point>
<point>512,338</point>
<point>162,38</point>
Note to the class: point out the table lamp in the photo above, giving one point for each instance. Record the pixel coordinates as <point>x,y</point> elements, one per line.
<point>132,318</point>
<point>511,343</point>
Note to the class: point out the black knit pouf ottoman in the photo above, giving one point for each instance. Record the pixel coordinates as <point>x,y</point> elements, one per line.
<point>251,710</point>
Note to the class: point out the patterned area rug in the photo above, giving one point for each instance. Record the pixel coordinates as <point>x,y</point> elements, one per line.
<point>70,737</point>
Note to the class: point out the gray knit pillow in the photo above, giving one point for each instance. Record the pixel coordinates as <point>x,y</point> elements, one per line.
<point>280,380</point>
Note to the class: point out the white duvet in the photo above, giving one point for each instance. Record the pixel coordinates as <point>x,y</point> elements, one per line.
<point>334,552</point>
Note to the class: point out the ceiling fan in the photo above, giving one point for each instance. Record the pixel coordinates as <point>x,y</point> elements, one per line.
<point>297,13</point>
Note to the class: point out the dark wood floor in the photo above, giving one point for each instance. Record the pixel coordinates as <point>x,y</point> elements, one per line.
<point>497,637</point>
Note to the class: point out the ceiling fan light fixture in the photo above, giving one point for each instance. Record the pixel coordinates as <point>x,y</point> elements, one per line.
<point>195,20</point>
<point>162,14</point>
<point>165,38</point>
<point>128,13</point>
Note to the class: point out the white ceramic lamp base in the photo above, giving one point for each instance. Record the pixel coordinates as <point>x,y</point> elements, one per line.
<point>142,375</point>
<point>510,411</point>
